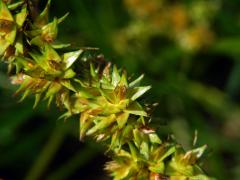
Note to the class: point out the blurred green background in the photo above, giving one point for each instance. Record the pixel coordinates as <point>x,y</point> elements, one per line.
<point>189,51</point>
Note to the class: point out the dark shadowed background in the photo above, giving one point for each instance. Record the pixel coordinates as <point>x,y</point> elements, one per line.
<point>189,51</point>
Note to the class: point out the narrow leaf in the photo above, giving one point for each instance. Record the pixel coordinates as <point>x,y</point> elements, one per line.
<point>136,109</point>
<point>136,82</point>
<point>61,19</point>
<point>139,91</point>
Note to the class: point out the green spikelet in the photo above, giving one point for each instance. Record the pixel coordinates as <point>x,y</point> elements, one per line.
<point>106,100</point>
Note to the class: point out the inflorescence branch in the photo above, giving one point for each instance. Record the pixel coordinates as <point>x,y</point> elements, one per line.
<point>83,83</point>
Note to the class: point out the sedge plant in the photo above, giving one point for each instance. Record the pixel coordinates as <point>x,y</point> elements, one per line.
<point>84,84</point>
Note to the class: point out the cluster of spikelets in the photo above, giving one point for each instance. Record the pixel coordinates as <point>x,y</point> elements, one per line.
<point>82,83</point>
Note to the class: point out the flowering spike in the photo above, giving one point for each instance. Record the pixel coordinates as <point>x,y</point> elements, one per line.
<point>85,85</point>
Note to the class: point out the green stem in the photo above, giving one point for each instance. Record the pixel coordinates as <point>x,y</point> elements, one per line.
<point>47,154</point>
<point>78,160</point>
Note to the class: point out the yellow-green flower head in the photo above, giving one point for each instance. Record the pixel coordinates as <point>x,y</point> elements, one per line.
<point>85,85</point>
<point>7,28</point>
<point>47,73</point>
<point>10,25</point>
<point>42,31</point>
<point>183,165</point>
<point>108,105</point>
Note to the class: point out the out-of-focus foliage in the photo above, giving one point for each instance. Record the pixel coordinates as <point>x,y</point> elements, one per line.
<point>189,51</point>
<point>183,23</point>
